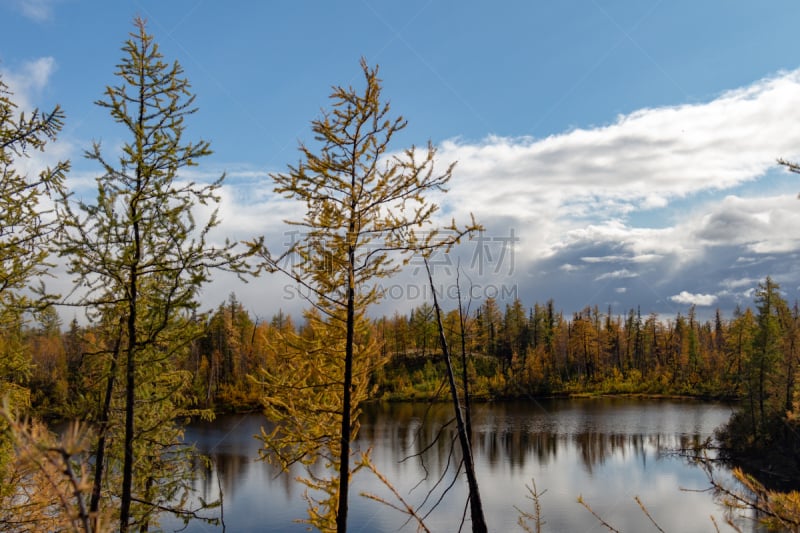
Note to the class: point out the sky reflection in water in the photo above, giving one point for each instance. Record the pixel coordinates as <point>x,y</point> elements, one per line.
<point>606,450</point>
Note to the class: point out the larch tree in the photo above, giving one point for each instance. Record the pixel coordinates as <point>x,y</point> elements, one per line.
<point>303,393</point>
<point>367,210</point>
<point>26,223</point>
<point>140,258</point>
<point>766,354</point>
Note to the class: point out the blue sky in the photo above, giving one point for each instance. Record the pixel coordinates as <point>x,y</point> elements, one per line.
<point>625,148</point>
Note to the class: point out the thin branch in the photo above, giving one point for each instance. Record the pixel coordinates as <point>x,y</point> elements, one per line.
<point>406,507</point>
<point>598,517</point>
<point>647,513</point>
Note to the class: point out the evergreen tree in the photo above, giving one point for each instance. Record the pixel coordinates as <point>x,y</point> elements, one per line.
<point>766,424</point>
<point>790,321</point>
<point>766,354</point>
<point>25,222</point>
<point>303,392</point>
<point>362,206</point>
<point>48,382</point>
<point>140,258</point>
<point>423,329</point>
<point>26,225</point>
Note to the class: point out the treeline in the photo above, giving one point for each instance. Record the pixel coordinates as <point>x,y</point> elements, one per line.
<point>540,350</point>
<point>512,351</point>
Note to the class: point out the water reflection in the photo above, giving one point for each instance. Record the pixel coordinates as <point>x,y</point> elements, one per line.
<point>607,450</point>
<point>515,433</point>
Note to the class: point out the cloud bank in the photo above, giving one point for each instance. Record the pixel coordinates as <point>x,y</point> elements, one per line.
<point>663,208</point>
<point>595,210</point>
<point>642,161</point>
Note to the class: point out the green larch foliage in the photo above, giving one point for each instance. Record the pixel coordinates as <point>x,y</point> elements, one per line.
<point>26,220</point>
<point>26,224</point>
<point>140,258</point>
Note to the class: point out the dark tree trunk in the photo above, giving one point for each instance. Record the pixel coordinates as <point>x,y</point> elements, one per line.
<point>475,505</point>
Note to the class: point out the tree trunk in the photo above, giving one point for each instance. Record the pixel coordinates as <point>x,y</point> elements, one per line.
<point>475,506</point>
<point>344,455</point>
<point>130,367</point>
<point>94,505</point>
<point>464,374</point>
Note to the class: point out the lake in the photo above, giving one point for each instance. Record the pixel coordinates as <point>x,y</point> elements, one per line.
<point>607,450</point>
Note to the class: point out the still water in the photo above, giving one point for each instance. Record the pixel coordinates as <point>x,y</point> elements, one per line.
<point>606,450</point>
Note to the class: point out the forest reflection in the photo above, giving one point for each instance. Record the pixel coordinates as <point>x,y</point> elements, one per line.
<point>570,446</point>
<point>512,436</point>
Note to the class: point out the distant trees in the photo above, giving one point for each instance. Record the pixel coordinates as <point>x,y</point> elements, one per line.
<point>768,354</point>
<point>550,353</point>
<point>539,351</point>
<point>48,379</point>
<point>231,348</point>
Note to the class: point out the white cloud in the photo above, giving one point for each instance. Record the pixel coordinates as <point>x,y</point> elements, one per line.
<point>762,225</point>
<point>572,198</point>
<point>640,161</point>
<point>36,10</point>
<point>617,274</point>
<point>732,284</point>
<point>694,299</point>
<point>27,82</point>
<point>586,183</point>
<point>605,259</point>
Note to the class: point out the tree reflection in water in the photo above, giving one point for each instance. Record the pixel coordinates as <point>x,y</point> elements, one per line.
<point>608,450</point>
